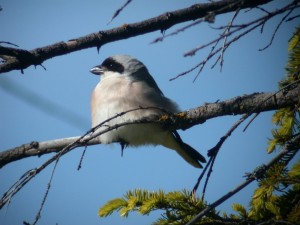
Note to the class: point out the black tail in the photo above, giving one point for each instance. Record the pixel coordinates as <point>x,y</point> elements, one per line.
<point>188,153</point>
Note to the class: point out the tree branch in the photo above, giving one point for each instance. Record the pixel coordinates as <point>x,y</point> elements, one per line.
<point>232,33</point>
<point>98,39</point>
<point>253,103</point>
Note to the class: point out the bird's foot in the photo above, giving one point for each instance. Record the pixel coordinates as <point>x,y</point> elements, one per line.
<point>123,144</point>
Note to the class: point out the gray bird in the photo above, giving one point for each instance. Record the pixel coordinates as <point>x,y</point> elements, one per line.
<point>126,84</point>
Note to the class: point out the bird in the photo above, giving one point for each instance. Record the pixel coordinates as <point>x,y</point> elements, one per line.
<point>127,92</point>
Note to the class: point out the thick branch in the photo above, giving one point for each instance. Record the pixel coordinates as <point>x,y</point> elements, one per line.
<point>254,103</point>
<point>98,39</point>
<point>37,149</point>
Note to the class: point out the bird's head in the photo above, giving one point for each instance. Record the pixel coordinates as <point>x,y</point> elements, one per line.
<point>119,65</point>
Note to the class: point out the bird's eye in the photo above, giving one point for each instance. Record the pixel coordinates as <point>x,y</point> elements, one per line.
<point>112,65</point>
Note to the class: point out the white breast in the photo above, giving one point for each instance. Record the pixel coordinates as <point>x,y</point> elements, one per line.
<point>111,98</point>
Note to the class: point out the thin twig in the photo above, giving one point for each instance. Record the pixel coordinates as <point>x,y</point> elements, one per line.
<point>287,87</point>
<point>38,215</point>
<point>240,27</point>
<point>213,159</point>
<point>252,119</point>
<point>9,43</point>
<point>159,39</point>
<point>221,56</point>
<point>212,153</point>
<point>276,29</point>
<point>225,39</point>
<point>292,18</point>
<point>185,72</point>
<point>210,18</point>
<point>262,9</point>
<point>81,158</point>
<point>213,53</point>
<point>248,27</point>
<point>201,176</point>
<point>119,10</point>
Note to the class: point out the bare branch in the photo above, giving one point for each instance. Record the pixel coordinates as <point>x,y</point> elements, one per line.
<point>185,72</point>
<point>239,30</point>
<point>159,39</point>
<point>81,158</point>
<point>98,39</point>
<point>276,29</point>
<point>119,10</point>
<point>8,43</point>
<point>38,215</point>
<point>213,152</point>
<point>227,30</point>
<point>292,18</point>
<point>252,119</point>
<point>254,103</point>
<point>262,9</point>
<point>258,22</point>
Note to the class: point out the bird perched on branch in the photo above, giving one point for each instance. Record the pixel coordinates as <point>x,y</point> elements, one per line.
<point>125,84</point>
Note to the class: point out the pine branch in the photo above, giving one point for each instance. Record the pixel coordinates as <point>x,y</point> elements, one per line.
<point>23,58</point>
<point>292,146</point>
<point>144,202</point>
<point>254,103</point>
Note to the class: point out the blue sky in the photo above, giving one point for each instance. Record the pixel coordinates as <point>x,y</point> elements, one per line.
<point>65,88</point>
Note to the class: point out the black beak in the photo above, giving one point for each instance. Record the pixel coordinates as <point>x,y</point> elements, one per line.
<point>97,70</point>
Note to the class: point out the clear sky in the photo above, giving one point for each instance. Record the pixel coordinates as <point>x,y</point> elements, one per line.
<point>43,105</point>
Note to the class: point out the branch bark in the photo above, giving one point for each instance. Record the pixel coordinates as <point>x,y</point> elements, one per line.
<point>37,56</point>
<point>253,103</point>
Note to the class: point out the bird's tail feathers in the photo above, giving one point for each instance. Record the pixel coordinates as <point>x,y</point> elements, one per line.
<point>187,152</point>
<point>191,155</point>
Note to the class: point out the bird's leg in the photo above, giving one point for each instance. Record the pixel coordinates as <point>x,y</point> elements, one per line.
<point>123,144</point>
